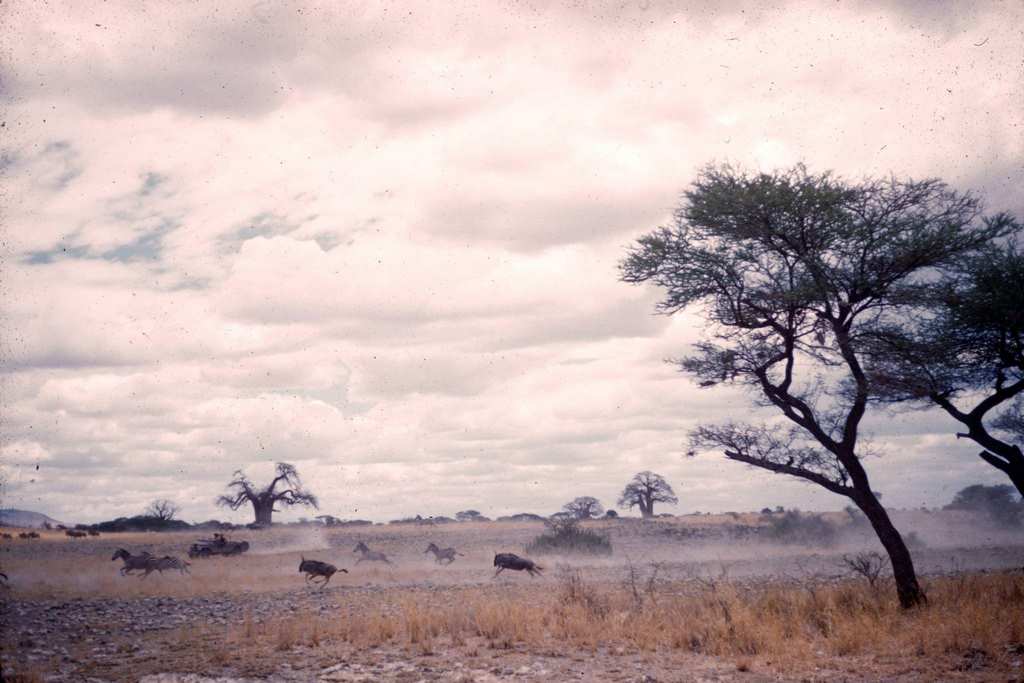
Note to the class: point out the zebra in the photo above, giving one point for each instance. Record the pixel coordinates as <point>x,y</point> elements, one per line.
<point>315,568</point>
<point>511,561</point>
<point>442,553</point>
<point>148,563</point>
<point>167,562</point>
<point>369,555</point>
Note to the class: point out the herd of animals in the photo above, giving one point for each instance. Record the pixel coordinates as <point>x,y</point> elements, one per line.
<point>316,571</point>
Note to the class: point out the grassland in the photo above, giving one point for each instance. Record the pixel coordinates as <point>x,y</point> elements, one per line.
<point>673,603</point>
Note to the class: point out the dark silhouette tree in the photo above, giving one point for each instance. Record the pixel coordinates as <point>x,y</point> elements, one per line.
<point>967,348</point>
<point>470,516</point>
<point>584,507</point>
<point>644,490</point>
<point>795,272</point>
<point>285,488</point>
<point>1000,502</point>
<point>162,509</point>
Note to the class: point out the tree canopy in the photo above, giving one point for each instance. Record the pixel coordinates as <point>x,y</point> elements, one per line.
<point>162,509</point>
<point>285,488</point>
<point>584,507</point>
<point>797,273</point>
<point>644,490</point>
<point>965,353</point>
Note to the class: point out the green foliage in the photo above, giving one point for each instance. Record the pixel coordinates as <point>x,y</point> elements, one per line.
<point>565,536</point>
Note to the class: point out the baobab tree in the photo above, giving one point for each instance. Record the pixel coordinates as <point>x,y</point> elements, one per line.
<point>796,274</point>
<point>584,507</point>
<point>644,490</point>
<point>285,488</point>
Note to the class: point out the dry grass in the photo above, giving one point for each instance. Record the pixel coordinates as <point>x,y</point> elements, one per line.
<point>791,626</point>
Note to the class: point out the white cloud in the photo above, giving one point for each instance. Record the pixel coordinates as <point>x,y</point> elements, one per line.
<point>384,245</point>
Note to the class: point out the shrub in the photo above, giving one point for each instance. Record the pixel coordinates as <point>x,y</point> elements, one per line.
<point>1001,503</point>
<point>795,527</point>
<point>566,536</point>
<point>521,517</point>
<point>140,523</point>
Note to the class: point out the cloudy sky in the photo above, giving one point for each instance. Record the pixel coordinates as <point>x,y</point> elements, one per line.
<point>380,241</point>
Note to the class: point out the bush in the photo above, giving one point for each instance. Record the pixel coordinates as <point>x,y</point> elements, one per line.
<point>1001,503</point>
<point>521,517</point>
<point>140,523</point>
<point>566,536</point>
<point>795,527</point>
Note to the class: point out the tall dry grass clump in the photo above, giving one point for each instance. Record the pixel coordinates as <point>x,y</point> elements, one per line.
<point>788,622</point>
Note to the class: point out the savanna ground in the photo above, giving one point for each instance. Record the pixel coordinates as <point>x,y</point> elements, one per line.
<point>685,599</point>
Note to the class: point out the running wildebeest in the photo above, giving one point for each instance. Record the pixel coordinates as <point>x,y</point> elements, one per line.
<point>315,568</point>
<point>131,562</point>
<point>442,553</point>
<point>369,555</point>
<point>512,561</point>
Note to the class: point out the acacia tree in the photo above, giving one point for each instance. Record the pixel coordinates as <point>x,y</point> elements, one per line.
<point>242,491</point>
<point>795,272</point>
<point>162,509</point>
<point>584,507</point>
<point>644,490</point>
<point>968,348</point>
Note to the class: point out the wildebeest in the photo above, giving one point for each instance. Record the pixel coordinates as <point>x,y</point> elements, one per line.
<point>442,553</point>
<point>6,536</point>
<point>512,561</point>
<point>369,555</point>
<point>75,534</point>
<point>315,568</point>
<point>93,532</point>
<point>131,562</point>
<point>29,535</point>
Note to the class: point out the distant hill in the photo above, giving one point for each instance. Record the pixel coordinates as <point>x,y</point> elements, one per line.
<point>25,518</point>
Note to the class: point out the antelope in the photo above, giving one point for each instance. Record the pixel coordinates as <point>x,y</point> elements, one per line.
<point>442,553</point>
<point>369,555</point>
<point>511,561</point>
<point>315,568</point>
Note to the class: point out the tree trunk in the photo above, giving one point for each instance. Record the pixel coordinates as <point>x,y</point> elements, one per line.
<point>1009,461</point>
<point>907,588</point>
<point>646,507</point>
<point>263,509</point>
